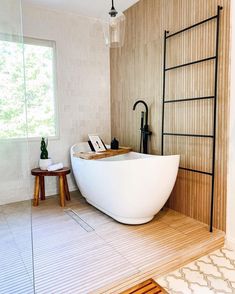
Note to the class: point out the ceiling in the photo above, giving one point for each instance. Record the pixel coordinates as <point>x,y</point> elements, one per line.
<point>92,8</point>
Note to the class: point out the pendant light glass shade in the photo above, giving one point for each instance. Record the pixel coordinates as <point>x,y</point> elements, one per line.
<point>114,29</point>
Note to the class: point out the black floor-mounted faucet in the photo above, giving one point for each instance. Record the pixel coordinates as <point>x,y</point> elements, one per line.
<point>144,128</point>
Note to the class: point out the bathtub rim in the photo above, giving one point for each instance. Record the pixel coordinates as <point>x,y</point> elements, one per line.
<point>107,160</point>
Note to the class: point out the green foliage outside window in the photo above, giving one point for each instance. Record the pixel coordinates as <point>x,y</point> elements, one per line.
<point>26,108</point>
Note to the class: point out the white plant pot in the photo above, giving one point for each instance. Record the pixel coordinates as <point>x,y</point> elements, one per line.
<point>44,163</point>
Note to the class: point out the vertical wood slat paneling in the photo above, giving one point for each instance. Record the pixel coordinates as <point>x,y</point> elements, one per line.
<point>136,72</point>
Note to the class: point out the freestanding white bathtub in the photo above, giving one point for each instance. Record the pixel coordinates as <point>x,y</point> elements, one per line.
<point>131,188</point>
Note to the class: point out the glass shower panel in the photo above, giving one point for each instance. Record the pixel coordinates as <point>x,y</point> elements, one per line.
<point>16,262</point>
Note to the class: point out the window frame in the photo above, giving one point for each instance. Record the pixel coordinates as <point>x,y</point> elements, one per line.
<point>51,44</point>
<point>46,43</point>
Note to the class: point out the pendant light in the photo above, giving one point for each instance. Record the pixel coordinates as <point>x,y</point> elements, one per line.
<point>114,28</point>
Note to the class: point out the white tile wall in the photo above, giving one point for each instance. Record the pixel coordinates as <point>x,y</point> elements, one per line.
<point>82,83</point>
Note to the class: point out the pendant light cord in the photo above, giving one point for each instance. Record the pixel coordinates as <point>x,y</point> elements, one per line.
<point>113,11</point>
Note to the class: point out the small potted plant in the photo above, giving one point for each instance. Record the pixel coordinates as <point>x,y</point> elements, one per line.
<point>44,161</point>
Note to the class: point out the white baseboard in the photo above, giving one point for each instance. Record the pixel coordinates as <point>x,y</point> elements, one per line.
<point>230,242</point>
<point>73,188</point>
<point>51,192</point>
<point>29,195</point>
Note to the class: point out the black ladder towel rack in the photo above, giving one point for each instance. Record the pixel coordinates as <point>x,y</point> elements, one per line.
<point>214,97</point>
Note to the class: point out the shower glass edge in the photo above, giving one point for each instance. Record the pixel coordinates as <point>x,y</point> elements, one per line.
<point>16,242</point>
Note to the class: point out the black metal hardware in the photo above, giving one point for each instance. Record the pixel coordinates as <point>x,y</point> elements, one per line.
<point>190,63</point>
<point>189,99</point>
<point>141,128</point>
<point>193,26</point>
<point>165,69</point>
<point>188,135</point>
<point>163,91</point>
<point>113,12</point>
<point>196,171</point>
<point>146,133</point>
<point>146,109</point>
<point>144,128</point>
<point>215,111</point>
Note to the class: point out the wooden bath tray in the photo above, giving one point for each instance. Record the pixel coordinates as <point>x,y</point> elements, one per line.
<point>103,154</point>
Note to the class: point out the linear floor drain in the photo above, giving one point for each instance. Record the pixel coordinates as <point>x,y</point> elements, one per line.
<point>74,215</point>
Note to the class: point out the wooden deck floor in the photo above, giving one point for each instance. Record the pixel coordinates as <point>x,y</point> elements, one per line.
<point>78,249</point>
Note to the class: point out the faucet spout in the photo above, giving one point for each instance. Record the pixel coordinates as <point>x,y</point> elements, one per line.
<point>144,128</point>
<point>146,109</point>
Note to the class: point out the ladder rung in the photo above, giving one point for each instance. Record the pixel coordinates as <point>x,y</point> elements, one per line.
<point>189,99</point>
<point>188,135</point>
<point>193,26</point>
<point>190,63</point>
<point>196,171</point>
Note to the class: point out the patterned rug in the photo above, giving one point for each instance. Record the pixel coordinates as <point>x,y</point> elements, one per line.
<point>213,273</point>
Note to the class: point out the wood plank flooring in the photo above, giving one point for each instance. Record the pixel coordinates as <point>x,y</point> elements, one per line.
<point>78,249</point>
<point>149,286</point>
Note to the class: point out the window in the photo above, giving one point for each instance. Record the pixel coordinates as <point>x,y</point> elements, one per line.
<point>38,97</point>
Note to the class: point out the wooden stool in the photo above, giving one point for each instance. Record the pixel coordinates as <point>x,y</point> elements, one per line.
<point>40,184</point>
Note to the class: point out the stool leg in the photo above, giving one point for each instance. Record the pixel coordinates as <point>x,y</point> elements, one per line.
<point>66,188</point>
<point>42,187</point>
<point>36,191</point>
<point>61,181</point>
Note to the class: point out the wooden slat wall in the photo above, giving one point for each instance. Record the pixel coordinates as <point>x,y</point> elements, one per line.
<point>136,72</point>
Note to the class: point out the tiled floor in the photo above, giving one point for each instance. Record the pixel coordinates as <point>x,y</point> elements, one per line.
<point>16,274</point>
<point>78,249</point>
<point>211,274</point>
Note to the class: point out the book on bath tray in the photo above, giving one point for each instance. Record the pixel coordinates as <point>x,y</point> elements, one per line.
<point>97,144</point>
